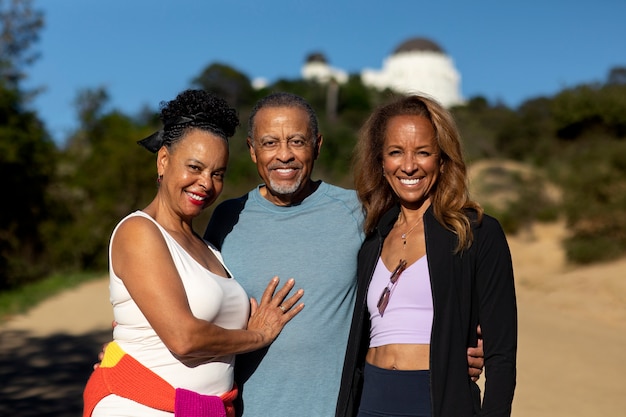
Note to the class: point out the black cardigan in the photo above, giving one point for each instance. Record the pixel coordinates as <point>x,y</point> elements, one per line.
<point>470,287</point>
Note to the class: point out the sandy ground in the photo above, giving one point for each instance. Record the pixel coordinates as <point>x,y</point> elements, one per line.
<point>571,356</point>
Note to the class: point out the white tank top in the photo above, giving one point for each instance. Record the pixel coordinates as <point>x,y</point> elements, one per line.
<point>219,300</point>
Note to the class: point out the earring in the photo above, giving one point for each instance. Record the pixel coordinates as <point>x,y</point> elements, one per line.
<point>159,178</point>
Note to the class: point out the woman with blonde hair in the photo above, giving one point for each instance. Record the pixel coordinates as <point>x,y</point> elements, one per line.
<point>433,269</point>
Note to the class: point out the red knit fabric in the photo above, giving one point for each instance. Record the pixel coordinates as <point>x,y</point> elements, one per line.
<point>228,398</point>
<point>95,390</point>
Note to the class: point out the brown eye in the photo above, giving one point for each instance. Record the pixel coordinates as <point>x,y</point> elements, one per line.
<point>296,143</point>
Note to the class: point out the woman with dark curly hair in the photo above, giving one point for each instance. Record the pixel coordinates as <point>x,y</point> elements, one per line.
<point>181,316</point>
<point>432,269</point>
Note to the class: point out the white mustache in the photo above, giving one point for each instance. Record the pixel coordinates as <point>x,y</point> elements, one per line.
<point>284,166</point>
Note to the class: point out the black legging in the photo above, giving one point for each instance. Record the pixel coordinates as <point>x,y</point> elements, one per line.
<point>395,393</point>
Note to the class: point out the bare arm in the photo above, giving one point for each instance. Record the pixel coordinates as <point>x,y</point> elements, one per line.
<point>140,257</point>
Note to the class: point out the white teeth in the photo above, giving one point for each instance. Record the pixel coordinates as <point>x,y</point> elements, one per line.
<point>195,197</point>
<point>411,181</point>
<point>284,170</point>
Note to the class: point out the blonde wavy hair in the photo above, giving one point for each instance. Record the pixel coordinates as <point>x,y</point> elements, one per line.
<point>450,199</point>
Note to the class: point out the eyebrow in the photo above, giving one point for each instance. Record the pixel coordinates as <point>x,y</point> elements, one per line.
<point>198,162</point>
<point>421,147</point>
<point>195,161</point>
<point>294,135</point>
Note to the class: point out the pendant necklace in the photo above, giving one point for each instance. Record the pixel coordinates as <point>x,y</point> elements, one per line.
<point>404,235</point>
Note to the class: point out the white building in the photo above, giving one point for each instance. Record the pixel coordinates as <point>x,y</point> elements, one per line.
<point>316,68</point>
<point>418,65</point>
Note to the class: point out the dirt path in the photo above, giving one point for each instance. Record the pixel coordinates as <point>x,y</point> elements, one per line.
<point>572,331</point>
<point>572,339</point>
<point>47,354</point>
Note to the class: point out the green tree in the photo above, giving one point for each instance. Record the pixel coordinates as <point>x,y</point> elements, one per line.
<point>595,183</point>
<point>588,110</point>
<point>228,83</point>
<point>528,134</point>
<point>27,154</point>
<point>479,122</point>
<point>104,175</point>
<point>590,123</point>
<point>20,25</point>
<point>27,163</point>
<point>617,76</point>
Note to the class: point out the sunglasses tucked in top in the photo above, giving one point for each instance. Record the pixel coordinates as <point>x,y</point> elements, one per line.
<point>386,294</point>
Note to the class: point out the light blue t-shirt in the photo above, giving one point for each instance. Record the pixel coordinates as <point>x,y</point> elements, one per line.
<point>315,242</point>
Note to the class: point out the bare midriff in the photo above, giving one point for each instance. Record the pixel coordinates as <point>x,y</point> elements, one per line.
<point>401,357</point>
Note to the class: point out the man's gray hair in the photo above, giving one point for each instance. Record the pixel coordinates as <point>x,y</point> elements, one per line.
<point>282,99</point>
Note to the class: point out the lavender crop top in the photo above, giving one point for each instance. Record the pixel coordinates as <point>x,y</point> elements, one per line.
<point>408,317</point>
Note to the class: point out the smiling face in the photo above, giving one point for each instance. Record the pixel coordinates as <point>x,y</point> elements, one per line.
<point>411,162</point>
<point>193,171</point>
<point>284,150</point>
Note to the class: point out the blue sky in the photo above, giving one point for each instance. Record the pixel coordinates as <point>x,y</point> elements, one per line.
<point>146,51</point>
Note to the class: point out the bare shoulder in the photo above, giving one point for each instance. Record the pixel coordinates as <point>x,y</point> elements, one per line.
<point>137,233</point>
<point>136,224</point>
<point>138,249</point>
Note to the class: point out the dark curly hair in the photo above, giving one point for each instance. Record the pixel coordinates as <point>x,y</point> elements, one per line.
<point>197,109</point>
<point>192,109</point>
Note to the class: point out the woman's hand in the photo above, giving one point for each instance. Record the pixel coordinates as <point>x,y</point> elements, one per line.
<point>275,310</point>
<point>476,357</point>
